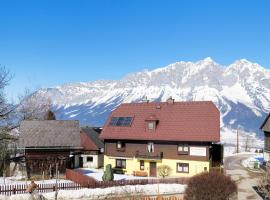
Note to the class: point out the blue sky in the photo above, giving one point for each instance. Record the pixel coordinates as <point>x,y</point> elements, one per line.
<point>47,43</point>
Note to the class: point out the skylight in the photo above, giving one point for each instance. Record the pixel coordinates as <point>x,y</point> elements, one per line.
<point>121,121</point>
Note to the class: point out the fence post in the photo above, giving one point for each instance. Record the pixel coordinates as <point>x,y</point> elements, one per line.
<point>14,190</point>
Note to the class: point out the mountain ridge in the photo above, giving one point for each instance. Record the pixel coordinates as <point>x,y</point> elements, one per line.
<point>240,91</point>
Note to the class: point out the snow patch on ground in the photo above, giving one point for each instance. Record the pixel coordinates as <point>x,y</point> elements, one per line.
<point>97,174</point>
<point>105,192</point>
<point>250,162</point>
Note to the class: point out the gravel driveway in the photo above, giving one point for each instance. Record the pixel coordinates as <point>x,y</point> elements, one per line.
<point>244,178</point>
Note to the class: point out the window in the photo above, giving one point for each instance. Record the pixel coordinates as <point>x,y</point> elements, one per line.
<point>121,121</point>
<point>183,149</point>
<point>89,159</point>
<point>120,163</point>
<point>151,125</point>
<point>141,164</point>
<point>182,167</point>
<point>150,147</point>
<point>205,169</point>
<point>120,145</point>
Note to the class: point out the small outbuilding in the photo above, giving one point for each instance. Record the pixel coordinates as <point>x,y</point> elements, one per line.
<point>92,155</point>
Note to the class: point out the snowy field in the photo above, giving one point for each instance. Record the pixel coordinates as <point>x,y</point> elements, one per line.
<point>98,173</point>
<point>93,194</point>
<point>248,142</point>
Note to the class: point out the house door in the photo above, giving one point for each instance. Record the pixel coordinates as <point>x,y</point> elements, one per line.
<point>81,162</point>
<point>153,169</point>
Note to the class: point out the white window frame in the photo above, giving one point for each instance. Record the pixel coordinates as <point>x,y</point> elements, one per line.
<point>150,147</point>
<point>182,169</point>
<point>183,148</point>
<point>119,145</point>
<point>151,125</point>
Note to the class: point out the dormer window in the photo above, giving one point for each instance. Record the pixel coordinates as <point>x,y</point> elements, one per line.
<point>151,122</point>
<point>151,125</point>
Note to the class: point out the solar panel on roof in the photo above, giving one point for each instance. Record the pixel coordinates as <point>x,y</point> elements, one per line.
<point>113,121</point>
<point>121,121</point>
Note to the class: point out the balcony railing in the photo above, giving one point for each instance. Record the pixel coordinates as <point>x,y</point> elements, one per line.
<point>149,156</point>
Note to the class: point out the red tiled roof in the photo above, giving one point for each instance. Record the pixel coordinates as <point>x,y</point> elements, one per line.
<point>178,121</point>
<point>87,143</point>
<point>151,118</point>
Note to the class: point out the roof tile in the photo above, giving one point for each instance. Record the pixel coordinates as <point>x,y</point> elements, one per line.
<point>178,121</point>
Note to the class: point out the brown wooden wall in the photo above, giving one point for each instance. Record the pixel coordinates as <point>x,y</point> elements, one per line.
<point>267,141</point>
<point>38,161</point>
<point>169,149</point>
<point>266,126</point>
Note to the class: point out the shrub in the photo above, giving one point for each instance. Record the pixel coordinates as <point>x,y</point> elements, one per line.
<point>264,182</point>
<point>210,186</point>
<point>164,170</point>
<point>256,165</point>
<point>108,173</point>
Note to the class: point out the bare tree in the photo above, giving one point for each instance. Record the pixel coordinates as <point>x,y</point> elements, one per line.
<point>33,105</point>
<point>164,170</point>
<point>5,123</point>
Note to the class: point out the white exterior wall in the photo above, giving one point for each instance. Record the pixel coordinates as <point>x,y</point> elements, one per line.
<point>266,156</point>
<point>93,164</point>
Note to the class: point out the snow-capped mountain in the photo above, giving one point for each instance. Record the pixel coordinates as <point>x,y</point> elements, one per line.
<point>241,91</point>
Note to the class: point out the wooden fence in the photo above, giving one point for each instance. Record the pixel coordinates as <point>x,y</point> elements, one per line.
<point>82,181</point>
<point>44,187</point>
<point>9,190</point>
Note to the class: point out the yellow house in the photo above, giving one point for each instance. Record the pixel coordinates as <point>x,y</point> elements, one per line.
<point>140,138</point>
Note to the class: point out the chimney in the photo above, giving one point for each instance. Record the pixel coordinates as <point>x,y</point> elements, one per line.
<point>145,100</point>
<point>170,100</point>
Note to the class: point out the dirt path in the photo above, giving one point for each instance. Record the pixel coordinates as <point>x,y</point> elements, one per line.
<point>244,178</point>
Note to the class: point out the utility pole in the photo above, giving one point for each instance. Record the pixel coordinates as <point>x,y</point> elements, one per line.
<point>237,141</point>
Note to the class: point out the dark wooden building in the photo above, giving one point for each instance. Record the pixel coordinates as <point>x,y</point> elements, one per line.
<point>265,127</point>
<point>48,144</point>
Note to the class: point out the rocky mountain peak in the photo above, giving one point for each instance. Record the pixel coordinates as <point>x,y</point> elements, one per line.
<point>241,92</point>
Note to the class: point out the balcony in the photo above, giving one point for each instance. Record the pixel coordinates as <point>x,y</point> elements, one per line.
<point>149,156</point>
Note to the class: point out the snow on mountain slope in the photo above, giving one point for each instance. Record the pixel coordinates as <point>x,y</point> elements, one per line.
<point>241,91</point>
